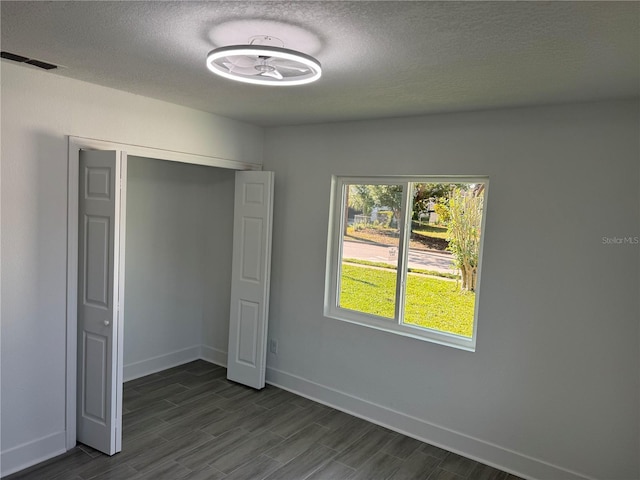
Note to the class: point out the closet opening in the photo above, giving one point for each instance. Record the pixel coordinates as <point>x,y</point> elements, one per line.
<point>152,279</point>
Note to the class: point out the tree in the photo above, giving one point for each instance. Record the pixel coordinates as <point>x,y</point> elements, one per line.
<point>465,211</point>
<point>389,196</point>
<point>359,198</point>
<point>367,197</point>
<point>426,191</point>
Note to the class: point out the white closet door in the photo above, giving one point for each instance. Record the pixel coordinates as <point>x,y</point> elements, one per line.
<point>99,418</point>
<point>253,213</point>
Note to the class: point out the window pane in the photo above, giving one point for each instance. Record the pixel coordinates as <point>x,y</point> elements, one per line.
<point>370,241</point>
<point>443,256</point>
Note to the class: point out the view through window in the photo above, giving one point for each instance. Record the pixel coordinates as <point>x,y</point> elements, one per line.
<point>407,255</point>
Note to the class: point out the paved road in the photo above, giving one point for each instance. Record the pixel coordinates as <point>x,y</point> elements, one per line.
<point>441,262</point>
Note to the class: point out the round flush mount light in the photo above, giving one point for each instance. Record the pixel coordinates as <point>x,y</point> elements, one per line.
<point>264,61</point>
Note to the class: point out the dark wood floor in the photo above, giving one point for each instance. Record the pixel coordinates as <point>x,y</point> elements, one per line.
<point>189,422</point>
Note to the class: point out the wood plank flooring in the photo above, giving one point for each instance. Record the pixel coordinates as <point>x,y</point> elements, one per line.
<point>190,423</point>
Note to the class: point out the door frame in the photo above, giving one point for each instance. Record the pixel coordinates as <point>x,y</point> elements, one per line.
<point>75,144</point>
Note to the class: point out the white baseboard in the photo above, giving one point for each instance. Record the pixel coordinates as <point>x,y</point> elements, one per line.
<point>213,355</point>
<point>161,362</point>
<point>31,453</point>
<point>173,359</point>
<point>474,448</point>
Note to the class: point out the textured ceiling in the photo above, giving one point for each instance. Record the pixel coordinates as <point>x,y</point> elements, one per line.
<point>380,59</point>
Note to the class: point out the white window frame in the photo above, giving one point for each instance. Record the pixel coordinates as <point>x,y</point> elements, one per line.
<point>334,259</point>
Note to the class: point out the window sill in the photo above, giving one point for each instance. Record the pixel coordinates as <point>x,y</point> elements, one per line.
<point>418,333</point>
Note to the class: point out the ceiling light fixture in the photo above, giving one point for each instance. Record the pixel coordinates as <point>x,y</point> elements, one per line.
<point>264,61</point>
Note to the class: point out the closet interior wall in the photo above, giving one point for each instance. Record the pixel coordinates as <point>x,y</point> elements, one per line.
<point>179,221</point>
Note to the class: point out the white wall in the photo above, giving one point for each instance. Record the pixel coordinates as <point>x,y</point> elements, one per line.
<point>178,217</point>
<point>217,268</point>
<point>553,387</point>
<point>38,110</point>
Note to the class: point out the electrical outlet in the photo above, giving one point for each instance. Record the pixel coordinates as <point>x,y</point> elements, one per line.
<point>273,346</point>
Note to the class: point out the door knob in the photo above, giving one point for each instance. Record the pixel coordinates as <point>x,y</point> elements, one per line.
<point>106,323</point>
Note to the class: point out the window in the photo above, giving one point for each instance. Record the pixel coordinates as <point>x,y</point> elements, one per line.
<point>404,255</point>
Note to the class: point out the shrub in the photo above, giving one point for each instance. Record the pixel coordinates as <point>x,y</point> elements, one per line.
<point>442,210</point>
<point>384,217</point>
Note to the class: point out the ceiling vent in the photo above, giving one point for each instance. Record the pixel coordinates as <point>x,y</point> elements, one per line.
<point>20,59</point>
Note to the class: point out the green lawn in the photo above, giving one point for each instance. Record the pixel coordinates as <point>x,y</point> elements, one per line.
<point>433,273</point>
<point>431,302</point>
<point>429,230</point>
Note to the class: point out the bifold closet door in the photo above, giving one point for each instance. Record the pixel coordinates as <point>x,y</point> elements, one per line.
<point>251,268</point>
<point>99,403</point>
